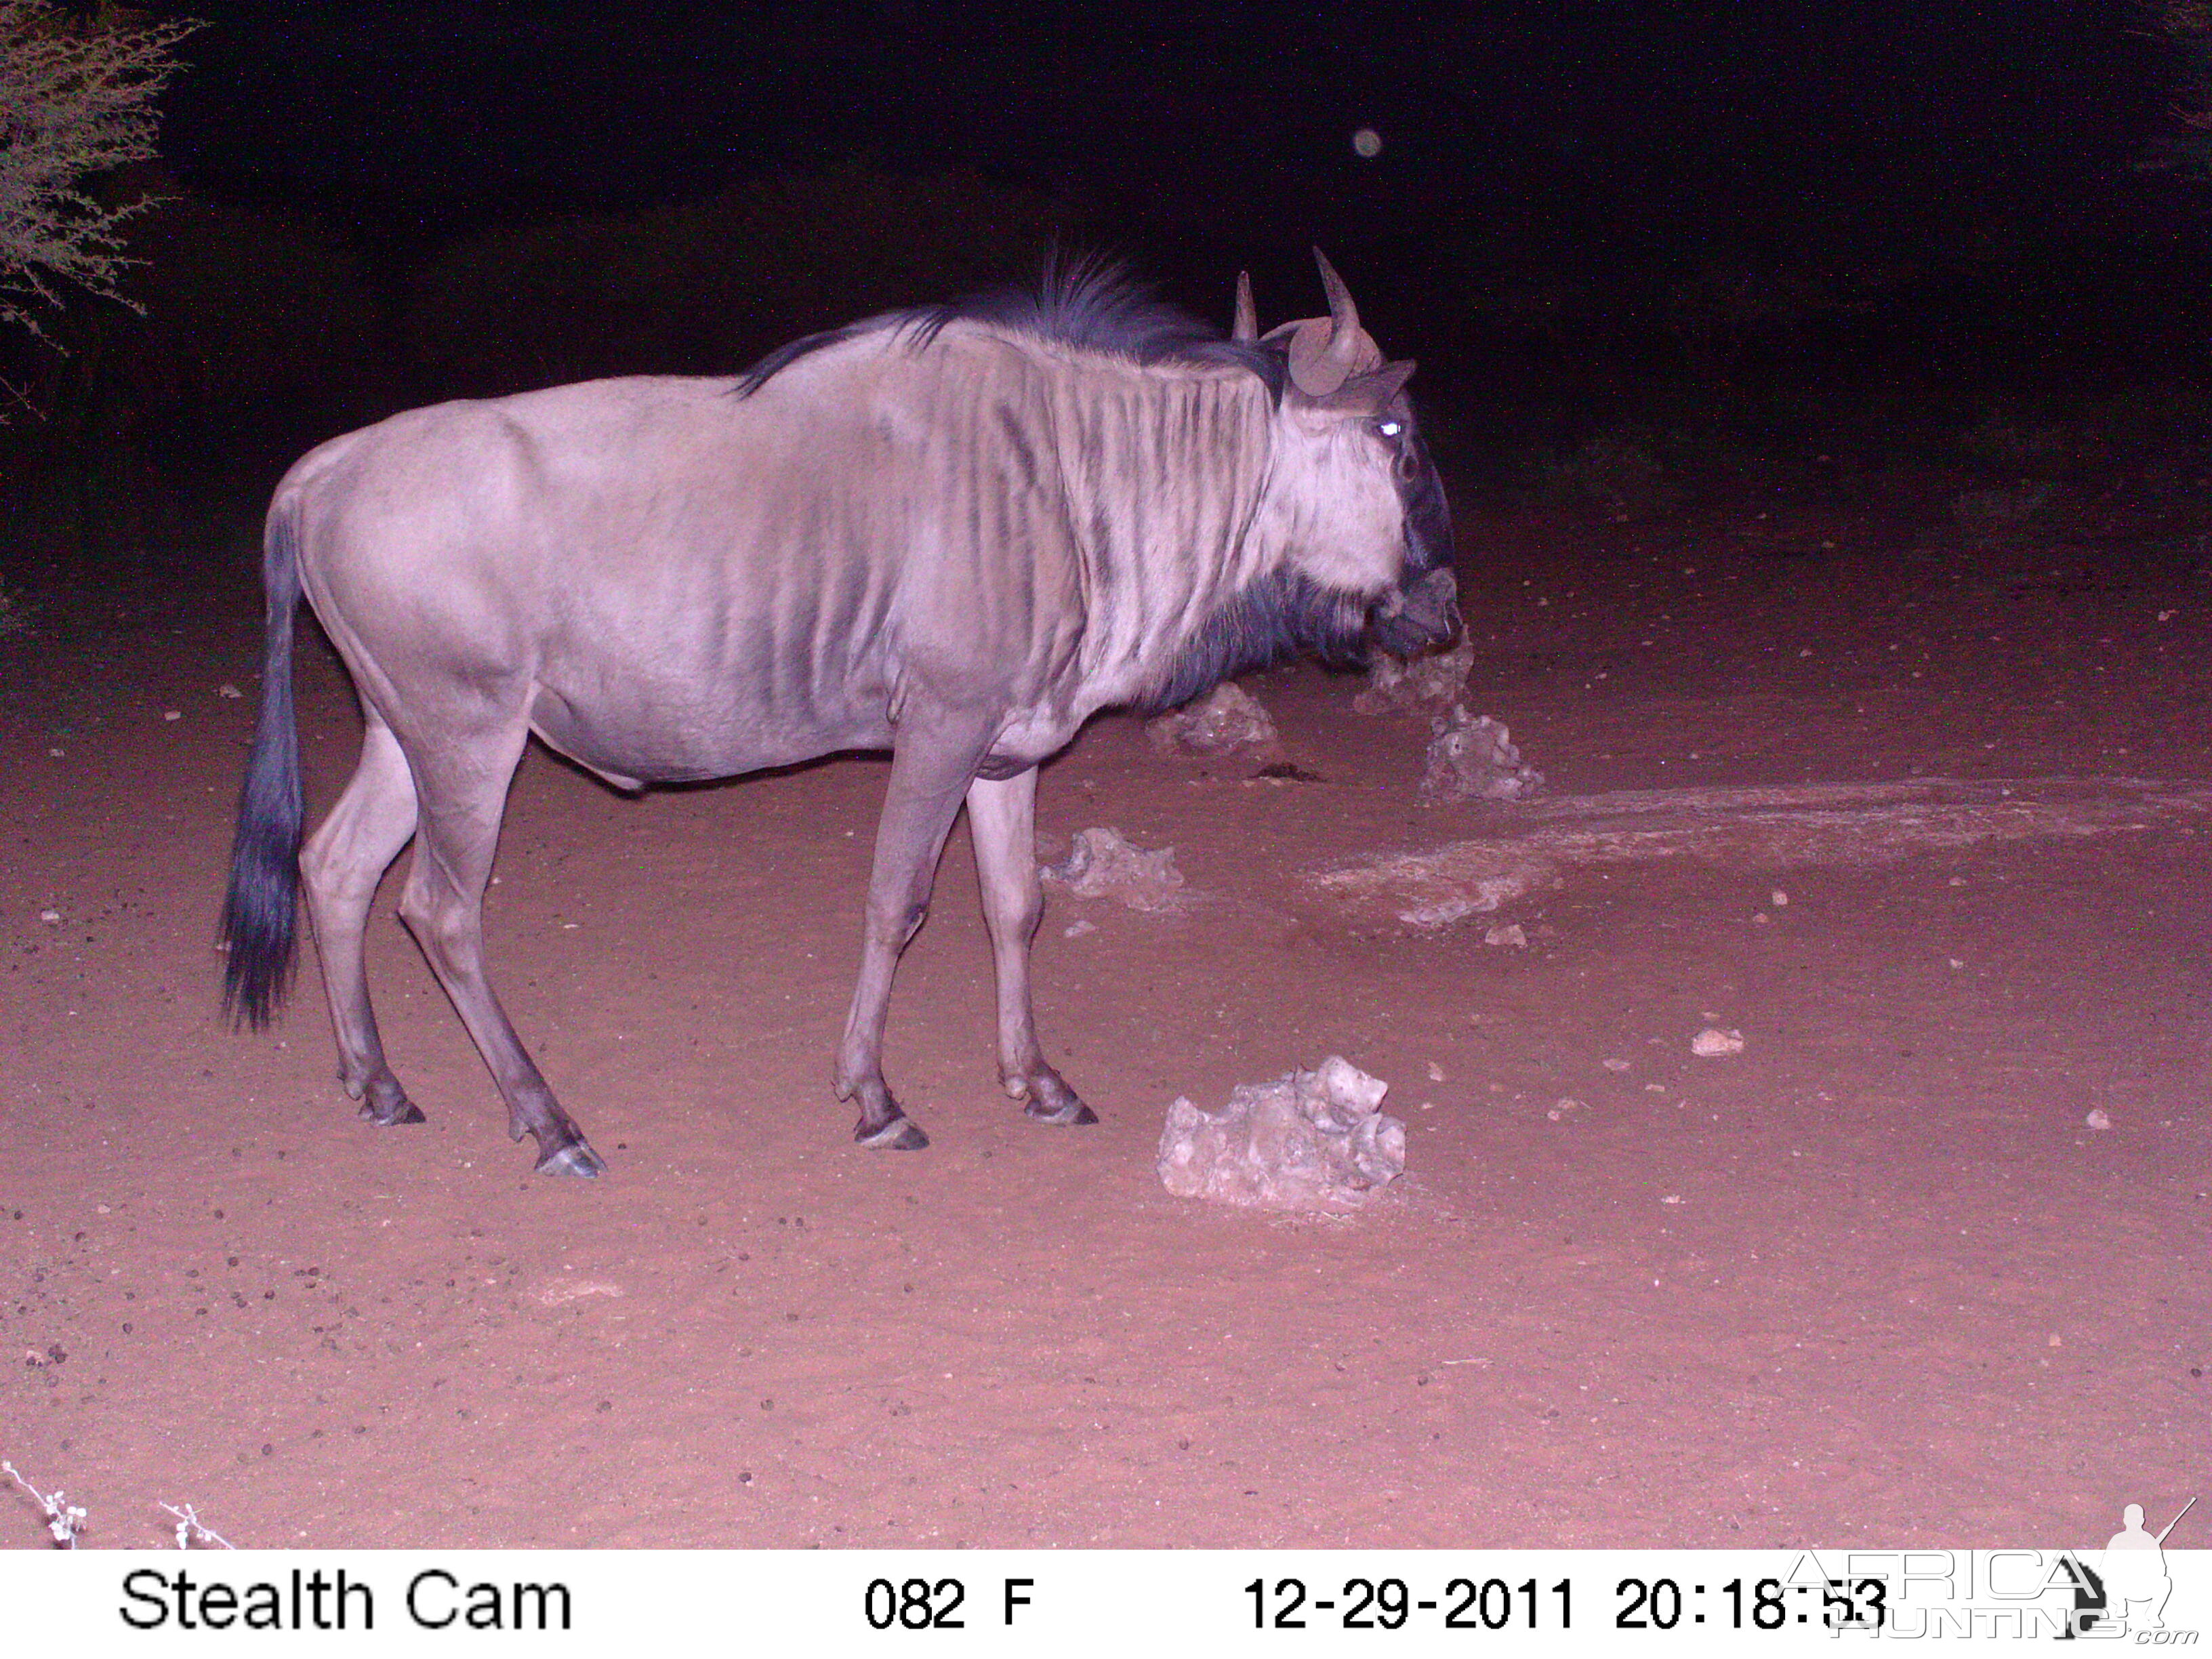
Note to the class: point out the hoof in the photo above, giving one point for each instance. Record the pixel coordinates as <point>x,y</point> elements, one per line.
<point>1072,1113</point>
<point>576,1159</point>
<point>402,1110</point>
<point>901,1134</point>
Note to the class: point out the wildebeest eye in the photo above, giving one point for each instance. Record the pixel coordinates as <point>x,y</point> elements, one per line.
<point>1389,428</point>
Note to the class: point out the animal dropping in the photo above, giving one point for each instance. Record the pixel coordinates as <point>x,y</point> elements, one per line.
<point>955,532</point>
<point>1312,1141</point>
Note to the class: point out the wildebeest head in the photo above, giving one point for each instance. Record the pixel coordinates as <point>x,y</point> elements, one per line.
<point>1352,493</point>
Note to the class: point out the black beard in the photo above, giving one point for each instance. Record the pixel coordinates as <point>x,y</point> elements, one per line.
<point>1281,613</point>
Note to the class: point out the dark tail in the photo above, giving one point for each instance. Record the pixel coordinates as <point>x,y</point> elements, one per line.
<point>260,913</point>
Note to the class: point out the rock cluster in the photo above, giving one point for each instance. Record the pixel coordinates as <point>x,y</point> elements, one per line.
<point>1312,1141</point>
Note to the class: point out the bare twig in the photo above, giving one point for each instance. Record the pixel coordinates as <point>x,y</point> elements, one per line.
<point>64,1520</point>
<point>191,1530</point>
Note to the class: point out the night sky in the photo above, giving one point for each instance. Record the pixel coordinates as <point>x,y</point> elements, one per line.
<point>1686,126</point>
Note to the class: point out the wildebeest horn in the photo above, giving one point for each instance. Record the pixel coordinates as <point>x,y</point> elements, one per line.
<point>1246,329</point>
<point>1341,311</point>
<point>1326,351</point>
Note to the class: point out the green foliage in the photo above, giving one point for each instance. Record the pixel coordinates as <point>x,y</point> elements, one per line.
<point>76,101</point>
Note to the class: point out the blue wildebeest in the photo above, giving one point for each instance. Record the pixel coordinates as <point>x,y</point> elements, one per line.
<point>954,533</point>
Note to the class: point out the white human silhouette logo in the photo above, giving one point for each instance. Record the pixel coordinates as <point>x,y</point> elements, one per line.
<point>2133,1570</point>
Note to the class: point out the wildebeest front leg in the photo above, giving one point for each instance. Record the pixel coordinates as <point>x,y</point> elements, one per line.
<point>932,762</point>
<point>1002,817</point>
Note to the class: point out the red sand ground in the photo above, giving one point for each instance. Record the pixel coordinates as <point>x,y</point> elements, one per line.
<point>1873,1281</point>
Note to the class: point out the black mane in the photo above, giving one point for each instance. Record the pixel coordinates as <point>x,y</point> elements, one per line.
<point>1094,304</point>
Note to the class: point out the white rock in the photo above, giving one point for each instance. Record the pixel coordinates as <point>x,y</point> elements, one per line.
<point>1418,685</point>
<point>1312,1141</point>
<point>2097,1120</point>
<point>1105,865</point>
<point>1473,757</point>
<point>1511,934</point>
<point>227,691</point>
<point>554,1291</point>
<point>1713,1044</point>
<point>1227,718</point>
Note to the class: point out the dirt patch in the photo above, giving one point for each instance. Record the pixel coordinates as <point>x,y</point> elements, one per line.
<point>1854,826</point>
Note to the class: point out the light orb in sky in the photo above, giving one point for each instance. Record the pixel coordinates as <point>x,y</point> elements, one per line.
<point>1367,143</point>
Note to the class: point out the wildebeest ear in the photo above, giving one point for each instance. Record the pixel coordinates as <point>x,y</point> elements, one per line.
<point>1372,392</point>
<point>1246,329</point>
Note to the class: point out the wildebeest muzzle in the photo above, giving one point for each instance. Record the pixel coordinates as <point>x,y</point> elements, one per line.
<point>1407,621</point>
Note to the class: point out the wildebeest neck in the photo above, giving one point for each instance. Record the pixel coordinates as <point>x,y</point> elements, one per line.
<point>1274,616</point>
<point>1163,472</point>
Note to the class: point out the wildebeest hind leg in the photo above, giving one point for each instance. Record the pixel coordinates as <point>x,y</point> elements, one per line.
<point>342,863</point>
<point>462,786</point>
<point>1002,817</point>
<point>932,762</point>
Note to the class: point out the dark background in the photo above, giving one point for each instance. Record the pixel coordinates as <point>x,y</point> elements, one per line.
<point>1662,237</point>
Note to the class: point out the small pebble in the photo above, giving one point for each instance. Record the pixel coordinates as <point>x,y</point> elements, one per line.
<point>1713,1044</point>
<point>51,918</point>
<point>227,690</point>
<point>1781,898</point>
<point>2097,1120</point>
<point>1616,1065</point>
<point>1436,1073</point>
<point>1078,927</point>
<point>171,714</point>
<point>1510,934</point>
